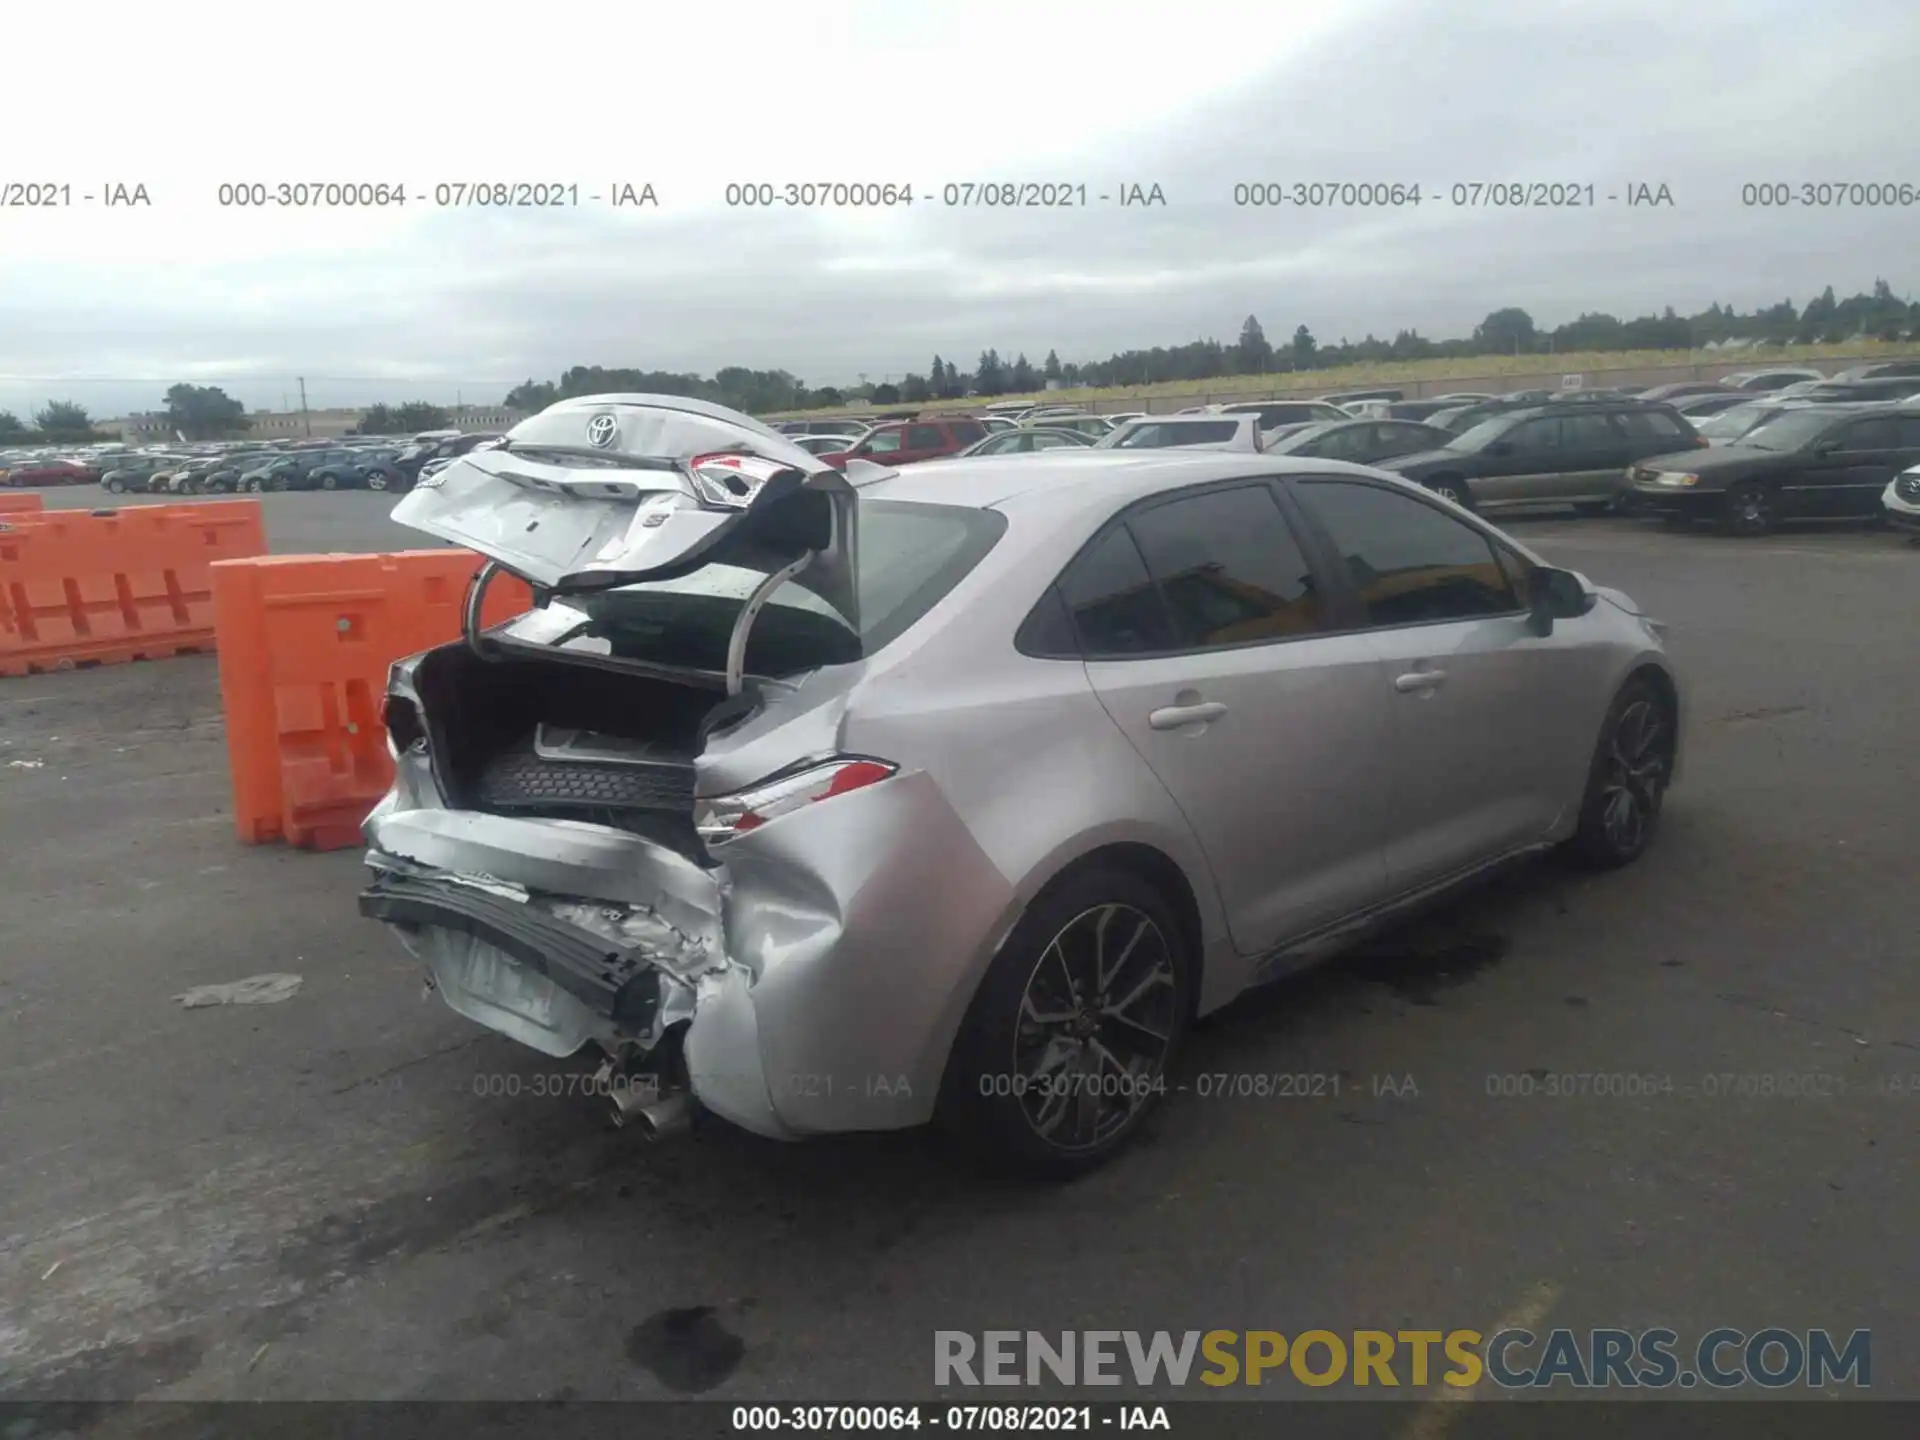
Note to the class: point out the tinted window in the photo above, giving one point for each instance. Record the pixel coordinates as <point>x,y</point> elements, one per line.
<point>1115,606</point>
<point>1054,442</point>
<point>883,442</point>
<point>1535,437</point>
<point>1343,442</point>
<point>968,431</point>
<point>1405,440</point>
<point>1168,435</point>
<point>911,555</point>
<point>1879,433</point>
<point>1410,563</point>
<point>1588,432</point>
<point>1230,568</point>
<point>924,437</point>
<point>1665,426</point>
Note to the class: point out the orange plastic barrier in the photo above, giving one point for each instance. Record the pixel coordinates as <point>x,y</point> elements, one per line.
<point>23,502</point>
<point>305,644</point>
<point>89,587</point>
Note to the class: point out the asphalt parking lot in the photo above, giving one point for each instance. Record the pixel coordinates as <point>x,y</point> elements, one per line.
<point>330,1197</point>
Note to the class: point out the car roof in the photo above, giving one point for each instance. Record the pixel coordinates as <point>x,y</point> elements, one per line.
<point>1107,478</point>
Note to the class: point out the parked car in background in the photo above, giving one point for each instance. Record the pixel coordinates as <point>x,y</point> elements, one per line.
<point>1273,413</point>
<point>343,469</point>
<point>51,470</point>
<point>998,423</point>
<point>1025,441</point>
<point>1187,432</point>
<point>1574,455</point>
<point>1763,381</point>
<point>1460,419</point>
<point>1902,503</point>
<point>1882,370</point>
<point>1729,425</point>
<point>1091,426</point>
<point>1346,397</point>
<point>1420,410</point>
<point>1120,417</point>
<point>1701,406</point>
<point>128,474</point>
<point>1884,388</point>
<point>903,442</point>
<point>1818,462</point>
<point>825,444</point>
<point>838,426</point>
<point>1360,442</point>
<point>821,842</point>
<point>1682,388</point>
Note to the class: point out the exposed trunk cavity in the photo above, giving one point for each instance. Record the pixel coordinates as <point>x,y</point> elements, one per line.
<point>553,739</point>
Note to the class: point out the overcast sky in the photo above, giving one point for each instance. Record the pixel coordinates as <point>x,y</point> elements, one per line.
<point>109,306</point>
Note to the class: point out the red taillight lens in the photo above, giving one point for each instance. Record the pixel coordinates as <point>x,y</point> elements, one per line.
<point>726,816</point>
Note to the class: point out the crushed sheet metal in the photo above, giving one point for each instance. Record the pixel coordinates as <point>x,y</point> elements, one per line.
<point>643,928</point>
<point>254,990</point>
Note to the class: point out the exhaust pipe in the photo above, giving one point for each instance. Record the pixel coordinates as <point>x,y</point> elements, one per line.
<point>657,1116</point>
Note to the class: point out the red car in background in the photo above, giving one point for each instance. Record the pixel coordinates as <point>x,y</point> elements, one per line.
<point>51,472</point>
<point>901,442</point>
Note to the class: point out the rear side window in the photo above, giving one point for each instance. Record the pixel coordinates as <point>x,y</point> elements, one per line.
<point>1230,568</point>
<point>968,431</point>
<point>910,556</point>
<point>1665,426</point>
<point>1411,564</point>
<point>924,437</point>
<point>1116,608</point>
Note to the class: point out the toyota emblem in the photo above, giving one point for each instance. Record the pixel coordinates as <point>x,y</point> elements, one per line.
<point>602,431</point>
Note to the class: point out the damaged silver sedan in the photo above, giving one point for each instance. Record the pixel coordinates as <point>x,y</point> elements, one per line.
<point>838,799</point>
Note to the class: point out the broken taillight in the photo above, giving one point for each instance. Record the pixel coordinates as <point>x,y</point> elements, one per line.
<point>723,817</point>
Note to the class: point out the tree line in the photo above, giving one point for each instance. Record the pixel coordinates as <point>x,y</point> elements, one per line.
<point>1877,314</point>
<point>204,412</point>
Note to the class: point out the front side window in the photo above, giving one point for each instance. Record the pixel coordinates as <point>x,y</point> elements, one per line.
<point>1411,564</point>
<point>883,442</point>
<point>1880,433</point>
<point>1230,568</point>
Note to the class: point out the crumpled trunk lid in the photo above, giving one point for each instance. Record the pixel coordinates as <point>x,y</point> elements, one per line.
<point>611,490</point>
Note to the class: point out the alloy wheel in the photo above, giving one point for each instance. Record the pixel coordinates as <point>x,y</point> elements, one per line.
<point>1634,775</point>
<point>1097,1019</point>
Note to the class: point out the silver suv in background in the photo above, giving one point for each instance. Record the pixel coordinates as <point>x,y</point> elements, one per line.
<point>848,800</point>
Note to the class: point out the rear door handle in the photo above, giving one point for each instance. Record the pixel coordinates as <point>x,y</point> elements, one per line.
<point>1420,680</point>
<point>1174,717</point>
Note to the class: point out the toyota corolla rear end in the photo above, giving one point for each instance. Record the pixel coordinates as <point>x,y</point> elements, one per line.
<point>636,823</point>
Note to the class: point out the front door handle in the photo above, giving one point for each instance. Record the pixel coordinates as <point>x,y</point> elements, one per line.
<point>1175,717</point>
<point>1420,680</point>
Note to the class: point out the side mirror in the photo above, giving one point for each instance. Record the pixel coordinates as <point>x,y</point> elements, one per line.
<point>1557,595</point>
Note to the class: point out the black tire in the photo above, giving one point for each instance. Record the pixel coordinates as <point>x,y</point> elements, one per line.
<point>1747,509</point>
<point>1627,780</point>
<point>376,481</point>
<point>998,1051</point>
<point>329,481</point>
<point>1452,487</point>
<point>114,487</point>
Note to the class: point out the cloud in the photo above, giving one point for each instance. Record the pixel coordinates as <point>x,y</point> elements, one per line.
<point>109,307</point>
